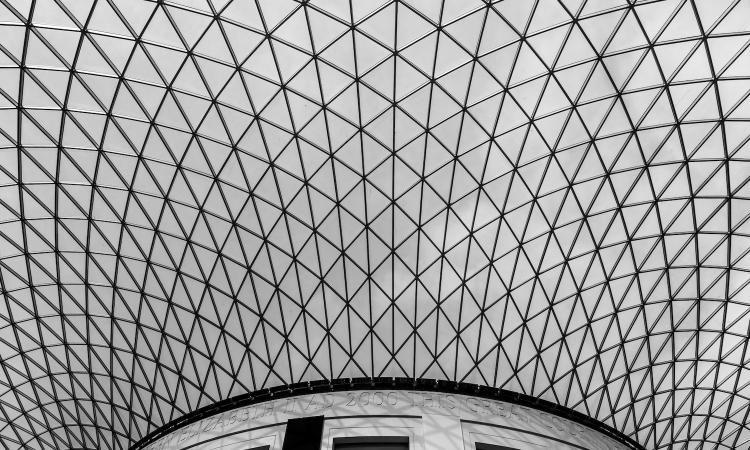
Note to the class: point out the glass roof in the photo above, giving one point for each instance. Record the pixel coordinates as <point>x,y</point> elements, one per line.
<point>203,199</point>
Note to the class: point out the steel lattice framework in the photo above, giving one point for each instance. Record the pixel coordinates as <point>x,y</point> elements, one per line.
<point>203,199</point>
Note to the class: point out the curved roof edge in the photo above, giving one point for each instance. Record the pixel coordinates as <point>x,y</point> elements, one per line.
<point>393,383</point>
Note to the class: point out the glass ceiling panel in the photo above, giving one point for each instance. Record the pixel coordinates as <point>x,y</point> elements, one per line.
<point>203,199</point>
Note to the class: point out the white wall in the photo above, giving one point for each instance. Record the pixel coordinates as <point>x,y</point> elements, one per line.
<point>432,421</point>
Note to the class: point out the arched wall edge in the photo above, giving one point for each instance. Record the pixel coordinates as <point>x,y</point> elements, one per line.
<point>391,383</point>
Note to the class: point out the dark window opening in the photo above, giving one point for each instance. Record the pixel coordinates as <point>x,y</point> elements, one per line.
<point>372,443</point>
<point>483,446</point>
<point>303,433</point>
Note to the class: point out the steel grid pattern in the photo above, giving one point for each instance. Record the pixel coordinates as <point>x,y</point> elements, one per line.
<point>203,199</point>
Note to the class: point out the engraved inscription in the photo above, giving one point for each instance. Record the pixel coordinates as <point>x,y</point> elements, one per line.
<point>376,398</point>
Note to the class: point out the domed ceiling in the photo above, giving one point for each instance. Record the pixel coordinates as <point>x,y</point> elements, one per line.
<point>200,200</point>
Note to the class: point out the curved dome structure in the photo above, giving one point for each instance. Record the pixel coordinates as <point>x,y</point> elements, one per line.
<point>200,200</point>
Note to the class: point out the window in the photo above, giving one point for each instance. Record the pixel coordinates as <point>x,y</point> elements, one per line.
<point>482,446</point>
<point>371,443</point>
